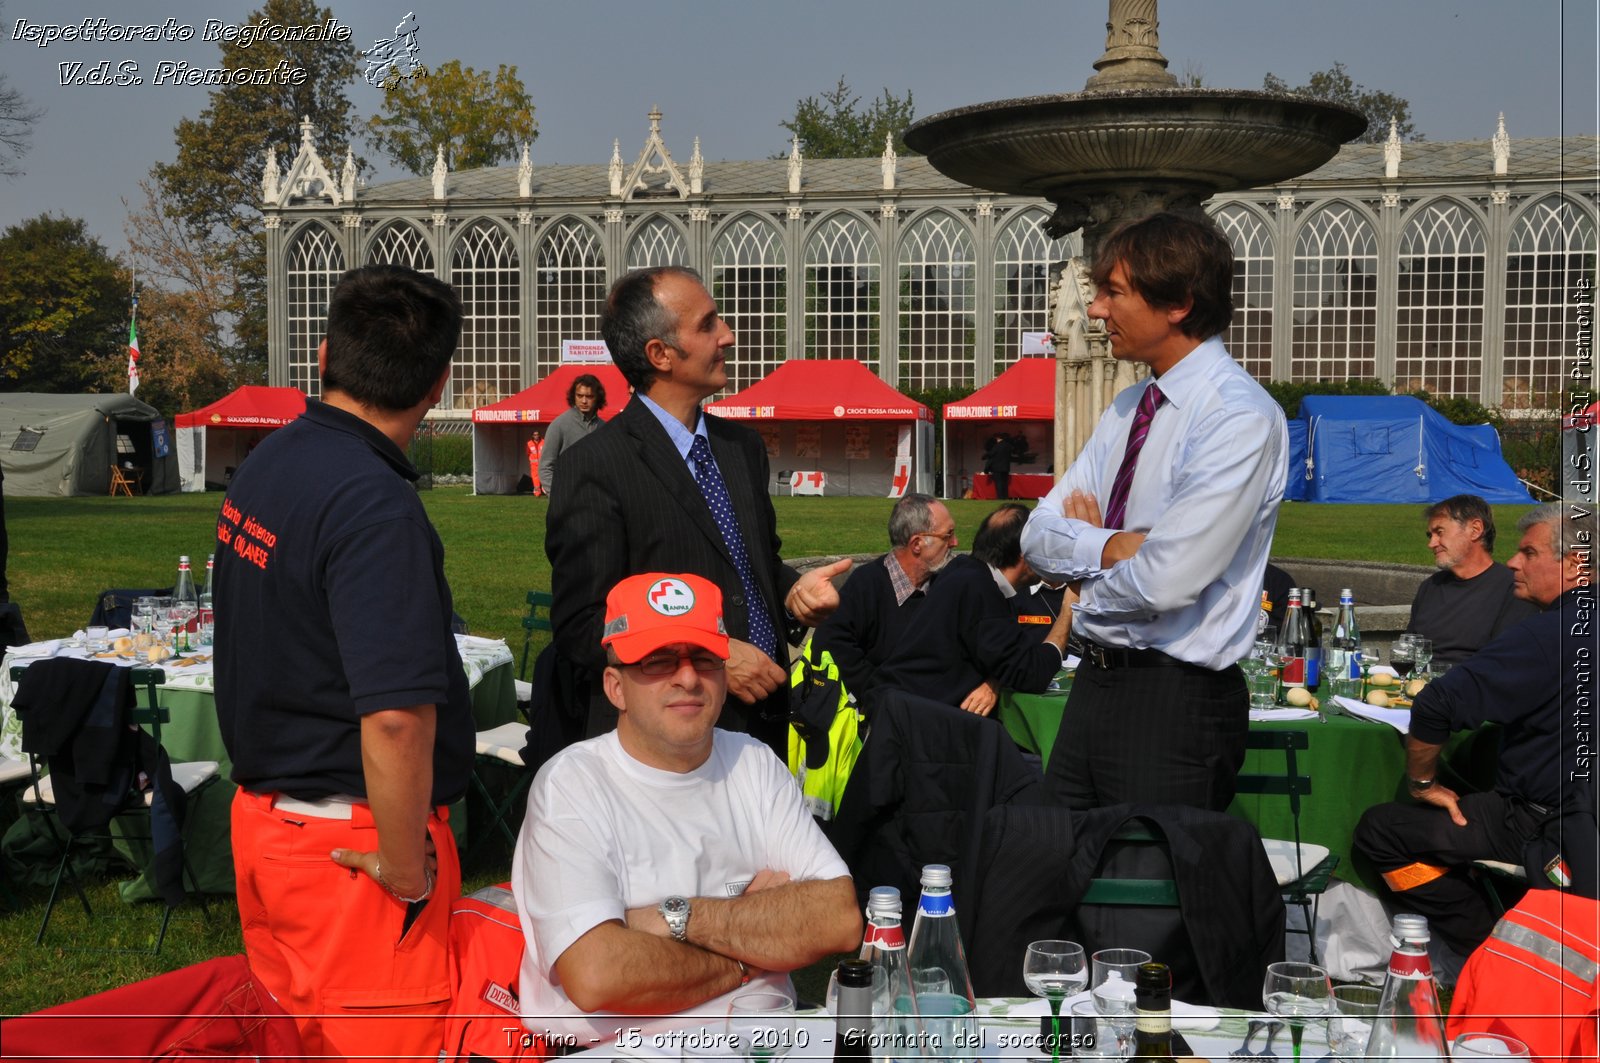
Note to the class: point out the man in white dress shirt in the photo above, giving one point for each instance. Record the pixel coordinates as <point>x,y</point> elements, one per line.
<point>1165,521</point>
<point>666,864</point>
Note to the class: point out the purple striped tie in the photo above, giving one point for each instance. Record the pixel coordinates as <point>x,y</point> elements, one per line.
<point>1117,507</point>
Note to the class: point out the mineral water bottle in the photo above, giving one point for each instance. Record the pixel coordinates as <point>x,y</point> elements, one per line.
<point>185,606</point>
<point>896,1028</point>
<point>1344,651</point>
<point>1408,1025</point>
<point>939,979</point>
<point>207,618</point>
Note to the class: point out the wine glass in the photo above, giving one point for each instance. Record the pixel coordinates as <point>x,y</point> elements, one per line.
<point>1421,654</point>
<point>1055,970</point>
<point>1487,1045</point>
<point>761,1026</point>
<point>1112,973</point>
<point>1401,656</point>
<point>1295,992</point>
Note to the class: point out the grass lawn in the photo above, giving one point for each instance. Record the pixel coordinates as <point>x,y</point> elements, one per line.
<point>65,551</point>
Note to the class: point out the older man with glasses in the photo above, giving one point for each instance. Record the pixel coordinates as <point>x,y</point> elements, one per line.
<point>667,863</point>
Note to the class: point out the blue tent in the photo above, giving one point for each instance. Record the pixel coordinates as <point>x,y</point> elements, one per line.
<point>1392,448</point>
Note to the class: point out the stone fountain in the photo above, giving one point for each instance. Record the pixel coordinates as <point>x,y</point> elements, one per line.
<point>1131,143</point>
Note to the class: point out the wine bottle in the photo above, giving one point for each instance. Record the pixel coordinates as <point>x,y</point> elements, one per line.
<point>852,1026</point>
<point>1313,640</point>
<point>1152,1001</point>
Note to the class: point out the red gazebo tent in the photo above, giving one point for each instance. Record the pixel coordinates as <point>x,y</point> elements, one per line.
<point>832,427</point>
<point>214,439</point>
<point>1021,399</point>
<point>501,430</point>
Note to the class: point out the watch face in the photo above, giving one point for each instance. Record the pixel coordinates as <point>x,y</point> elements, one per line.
<point>674,906</point>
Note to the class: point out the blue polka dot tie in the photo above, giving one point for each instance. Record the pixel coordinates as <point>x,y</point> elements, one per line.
<point>716,492</point>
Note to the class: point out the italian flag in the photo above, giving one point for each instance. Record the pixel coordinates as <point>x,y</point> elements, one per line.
<point>133,348</point>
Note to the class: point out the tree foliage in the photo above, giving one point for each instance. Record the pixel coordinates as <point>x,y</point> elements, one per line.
<point>836,126</point>
<point>480,120</point>
<point>213,188</point>
<point>1337,86</point>
<point>63,306</point>
<point>17,116</point>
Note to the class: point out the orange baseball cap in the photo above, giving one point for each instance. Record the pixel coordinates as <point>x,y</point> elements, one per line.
<point>645,613</point>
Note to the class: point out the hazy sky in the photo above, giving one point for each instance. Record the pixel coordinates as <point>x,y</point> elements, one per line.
<point>729,71</point>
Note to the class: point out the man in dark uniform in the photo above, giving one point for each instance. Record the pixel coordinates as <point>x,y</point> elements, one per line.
<point>1537,681</point>
<point>340,694</point>
<point>663,487</point>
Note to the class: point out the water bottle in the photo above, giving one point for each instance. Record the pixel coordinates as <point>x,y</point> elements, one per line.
<point>896,1028</point>
<point>186,606</point>
<point>1344,652</point>
<point>1408,1025</point>
<point>1292,641</point>
<point>853,1019</point>
<point>1313,640</point>
<point>207,618</point>
<point>939,979</point>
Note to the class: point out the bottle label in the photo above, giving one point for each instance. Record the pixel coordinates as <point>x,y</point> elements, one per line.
<point>885,937</point>
<point>936,904</point>
<point>1157,1022</point>
<point>1410,965</point>
<point>1294,672</point>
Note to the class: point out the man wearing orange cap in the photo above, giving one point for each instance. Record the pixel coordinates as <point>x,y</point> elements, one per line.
<point>667,863</point>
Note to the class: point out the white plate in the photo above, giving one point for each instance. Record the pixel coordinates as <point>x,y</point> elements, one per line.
<point>1184,1016</point>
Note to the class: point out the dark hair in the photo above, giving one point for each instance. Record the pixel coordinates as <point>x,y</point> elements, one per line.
<point>1462,508</point>
<point>632,318</point>
<point>1172,259</point>
<point>911,516</point>
<point>999,538</point>
<point>592,382</point>
<point>391,333</point>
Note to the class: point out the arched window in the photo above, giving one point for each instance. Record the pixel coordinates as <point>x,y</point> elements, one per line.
<point>750,282</point>
<point>1249,335</point>
<point>484,270</point>
<point>657,243</point>
<point>1022,258</point>
<point>1335,297</point>
<point>842,291</point>
<point>314,264</point>
<point>400,244</point>
<point>1439,341</point>
<point>569,289</point>
<point>1552,252</point>
<point>938,327</point>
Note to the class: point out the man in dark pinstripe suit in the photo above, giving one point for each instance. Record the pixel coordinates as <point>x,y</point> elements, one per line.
<point>628,501</point>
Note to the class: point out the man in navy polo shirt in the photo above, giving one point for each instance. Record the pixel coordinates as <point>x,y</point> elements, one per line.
<point>340,693</point>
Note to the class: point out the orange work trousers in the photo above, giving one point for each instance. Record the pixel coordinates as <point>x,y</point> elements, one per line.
<point>327,941</point>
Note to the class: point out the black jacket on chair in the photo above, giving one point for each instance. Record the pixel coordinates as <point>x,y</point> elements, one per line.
<point>927,776</point>
<point>1037,862</point>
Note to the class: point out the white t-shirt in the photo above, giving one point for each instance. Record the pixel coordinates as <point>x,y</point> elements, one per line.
<point>605,833</point>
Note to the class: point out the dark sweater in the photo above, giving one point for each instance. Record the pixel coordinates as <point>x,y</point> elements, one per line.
<point>1461,616</point>
<point>865,627</point>
<point>963,634</point>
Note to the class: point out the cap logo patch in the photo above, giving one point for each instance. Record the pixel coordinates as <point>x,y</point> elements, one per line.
<point>670,597</point>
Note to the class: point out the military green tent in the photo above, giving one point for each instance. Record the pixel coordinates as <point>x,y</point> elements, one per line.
<point>67,444</point>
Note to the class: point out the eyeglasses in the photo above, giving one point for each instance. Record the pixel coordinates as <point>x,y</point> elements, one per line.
<point>949,536</point>
<point>667,663</point>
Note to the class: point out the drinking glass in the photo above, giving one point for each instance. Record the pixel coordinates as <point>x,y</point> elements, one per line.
<point>1258,674</point>
<point>160,629</point>
<point>1488,1046</point>
<point>1421,654</point>
<point>96,639</point>
<point>143,615</point>
<point>1295,992</point>
<point>1112,973</point>
<point>1354,1009</point>
<point>1093,1035</point>
<point>1055,970</point>
<point>1401,657</point>
<point>761,1026</point>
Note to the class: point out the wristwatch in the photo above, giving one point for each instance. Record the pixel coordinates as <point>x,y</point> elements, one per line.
<point>1418,785</point>
<point>675,910</point>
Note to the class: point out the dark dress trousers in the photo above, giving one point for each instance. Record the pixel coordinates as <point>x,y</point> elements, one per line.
<point>626,503</point>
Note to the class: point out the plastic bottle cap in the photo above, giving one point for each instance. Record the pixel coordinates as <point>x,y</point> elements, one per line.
<point>883,900</point>
<point>1346,593</point>
<point>936,876</point>
<point>1411,928</point>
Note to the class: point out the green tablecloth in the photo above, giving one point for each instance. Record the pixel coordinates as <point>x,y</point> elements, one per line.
<point>1353,764</point>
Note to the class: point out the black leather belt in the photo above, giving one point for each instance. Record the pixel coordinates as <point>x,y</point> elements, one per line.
<point>1109,657</point>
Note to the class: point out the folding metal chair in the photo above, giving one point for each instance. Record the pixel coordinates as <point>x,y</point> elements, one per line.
<point>39,797</point>
<point>500,746</point>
